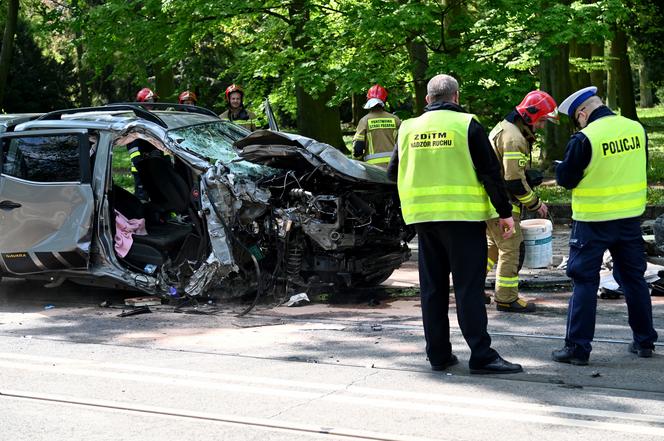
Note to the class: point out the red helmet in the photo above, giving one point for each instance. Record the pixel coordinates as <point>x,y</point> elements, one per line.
<point>377,95</point>
<point>377,91</point>
<point>537,105</point>
<point>233,88</point>
<point>146,95</point>
<point>187,95</point>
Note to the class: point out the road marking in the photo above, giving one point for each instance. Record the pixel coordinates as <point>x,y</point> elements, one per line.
<point>345,394</point>
<point>337,432</point>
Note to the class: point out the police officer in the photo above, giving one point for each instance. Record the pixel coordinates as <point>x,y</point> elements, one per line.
<point>377,131</point>
<point>512,140</point>
<point>605,167</point>
<point>236,111</point>
<point>449,183</point>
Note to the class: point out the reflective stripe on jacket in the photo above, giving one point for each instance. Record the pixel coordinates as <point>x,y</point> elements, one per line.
<point>378,129</point>
<point>614,183</point>
<point>437,180</point>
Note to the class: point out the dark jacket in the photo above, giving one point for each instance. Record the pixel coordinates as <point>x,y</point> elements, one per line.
<point>578,153</point>
<point>484,160</point>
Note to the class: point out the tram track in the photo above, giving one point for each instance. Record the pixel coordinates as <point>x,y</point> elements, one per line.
<point>234,420</point>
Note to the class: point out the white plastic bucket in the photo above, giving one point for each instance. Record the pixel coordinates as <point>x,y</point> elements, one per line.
<point>538,239</point>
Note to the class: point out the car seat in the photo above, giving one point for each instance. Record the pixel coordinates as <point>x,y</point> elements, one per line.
<point>162,241</point>
<point>167,190</point>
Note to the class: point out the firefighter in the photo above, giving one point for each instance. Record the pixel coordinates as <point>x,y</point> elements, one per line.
<point>377,131</point>
<point>449,182</point>
<point>512,139</point>
<point>187,97</point>
<point>140,148</point>
<point>605,167</point>
<point>236,111</point>
<point>146,95</point>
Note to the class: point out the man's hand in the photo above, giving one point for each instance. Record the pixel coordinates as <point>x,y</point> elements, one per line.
<point>543,210</point>
<point>507,225</point>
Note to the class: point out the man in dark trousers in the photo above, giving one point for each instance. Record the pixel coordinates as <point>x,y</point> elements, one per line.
<point>605,167</point>
<point>449,183</point>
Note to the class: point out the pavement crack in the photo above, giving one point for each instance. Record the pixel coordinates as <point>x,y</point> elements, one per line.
<point>322,396</point>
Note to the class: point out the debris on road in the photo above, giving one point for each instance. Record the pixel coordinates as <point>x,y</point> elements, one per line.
<point>298,300</point>
<point>135,311</point>
<point>143,301</point>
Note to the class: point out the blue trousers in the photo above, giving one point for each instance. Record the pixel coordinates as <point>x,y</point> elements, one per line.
<point>588,242</point>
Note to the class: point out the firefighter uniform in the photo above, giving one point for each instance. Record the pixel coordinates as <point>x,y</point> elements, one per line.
<point>605,166</point>
<point>375,137</point>
<point>449,182</point>
<point>511,139</point>
<point>139,149</point>
<point>243,118</point>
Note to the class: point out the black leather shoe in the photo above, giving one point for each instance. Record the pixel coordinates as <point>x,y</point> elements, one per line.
<point>497,366</point>
<point>569,355</point>
<point>642,352</point>
<point>447,363</point>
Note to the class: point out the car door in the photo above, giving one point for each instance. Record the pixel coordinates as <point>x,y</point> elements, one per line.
<point>46,201</point>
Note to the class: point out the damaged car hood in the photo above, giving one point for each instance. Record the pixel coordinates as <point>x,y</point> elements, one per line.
<point>286,150</point>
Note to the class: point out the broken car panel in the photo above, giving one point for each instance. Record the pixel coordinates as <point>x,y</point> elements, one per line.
<point>228,214</point>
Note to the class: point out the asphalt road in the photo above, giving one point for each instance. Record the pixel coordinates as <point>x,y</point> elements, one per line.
<point>349,369</point>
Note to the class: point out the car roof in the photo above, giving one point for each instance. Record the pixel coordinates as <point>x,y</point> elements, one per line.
<point>9,120</point>
<point>109,117</point>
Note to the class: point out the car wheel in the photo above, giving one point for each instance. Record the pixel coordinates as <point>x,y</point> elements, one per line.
<point>367,280</point>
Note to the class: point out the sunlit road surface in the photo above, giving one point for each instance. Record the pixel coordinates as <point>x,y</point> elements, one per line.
<point>353,369</point>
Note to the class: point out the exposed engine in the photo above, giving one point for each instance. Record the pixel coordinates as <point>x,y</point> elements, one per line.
<point>304,226</point>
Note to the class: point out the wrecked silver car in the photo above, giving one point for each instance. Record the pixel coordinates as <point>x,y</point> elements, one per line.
<point>228,212</point>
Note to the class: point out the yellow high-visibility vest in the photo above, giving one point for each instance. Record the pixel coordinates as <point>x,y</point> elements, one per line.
<point>437,180</point>
<point>614,183</point>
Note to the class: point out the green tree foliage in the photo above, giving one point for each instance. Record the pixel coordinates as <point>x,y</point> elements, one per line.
<point>37,83</point>
<point>311,56</point>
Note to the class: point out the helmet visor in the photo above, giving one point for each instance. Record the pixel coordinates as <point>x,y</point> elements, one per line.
<point>553,116</point>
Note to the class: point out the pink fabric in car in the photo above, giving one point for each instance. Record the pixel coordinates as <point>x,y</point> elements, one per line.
<point>124,228</point>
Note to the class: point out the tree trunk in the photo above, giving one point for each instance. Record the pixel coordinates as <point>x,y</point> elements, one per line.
<point>580,78</point>
<point>645,85</point>
<point>357,102</point>
<point>82,74</point>
<point>318,121</point>
<point>625,90</point>
<point>598,77</point>
<point>612,79</point>
<point>8,45</point>
<point>164,79</point>
<point>419,62</point>
<point>555,79</point>
<point>314,118</point>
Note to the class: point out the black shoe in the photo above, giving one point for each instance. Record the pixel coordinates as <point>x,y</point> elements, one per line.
<point>487,299</point>
<point>568,355</point>
<point>447,363</point>
<point>497,366</point>
<point>519,305</point>
<point>642,352</point>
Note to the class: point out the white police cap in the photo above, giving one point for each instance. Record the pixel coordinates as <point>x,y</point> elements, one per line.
<point>574,100</point>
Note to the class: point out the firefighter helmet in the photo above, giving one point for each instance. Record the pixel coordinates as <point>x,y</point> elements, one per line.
<point>234,88</point>
<point>537,105</point>
<point>146,95</point>
<point>377,95</point>
<point>187,95</point>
